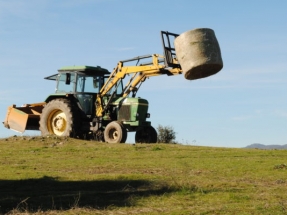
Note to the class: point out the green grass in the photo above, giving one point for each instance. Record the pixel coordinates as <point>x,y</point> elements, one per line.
<point>50,175</point>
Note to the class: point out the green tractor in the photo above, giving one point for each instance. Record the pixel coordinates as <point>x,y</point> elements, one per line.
<point>71,110</point>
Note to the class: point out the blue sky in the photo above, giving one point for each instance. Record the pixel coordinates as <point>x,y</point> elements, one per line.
<point>245,103</point>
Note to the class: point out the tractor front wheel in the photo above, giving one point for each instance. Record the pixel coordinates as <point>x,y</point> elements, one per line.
<point>115,133</point>
<point>146,135</point>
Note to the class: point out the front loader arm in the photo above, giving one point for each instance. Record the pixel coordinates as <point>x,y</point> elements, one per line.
<point>140,73</point>
<point>142,76</point>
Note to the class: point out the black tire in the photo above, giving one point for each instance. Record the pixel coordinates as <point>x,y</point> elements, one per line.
<point>146,135</point>
<point>115,133</point>
<point>58,118</point>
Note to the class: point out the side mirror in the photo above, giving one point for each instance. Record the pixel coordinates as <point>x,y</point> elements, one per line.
<point>68,78</point>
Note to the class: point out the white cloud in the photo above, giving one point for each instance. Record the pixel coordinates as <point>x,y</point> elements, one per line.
<point>21,9</point>
<point>241,118</point>
<point>261,114</point>
<point>125,49</point>
<point>281,113</point>
<point>9,96</point>
<point>74,3</point>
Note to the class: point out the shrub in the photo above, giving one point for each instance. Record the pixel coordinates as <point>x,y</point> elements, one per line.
<point>166,134</point>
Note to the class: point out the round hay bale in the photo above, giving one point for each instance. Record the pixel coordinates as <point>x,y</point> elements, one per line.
<point>198,53</point>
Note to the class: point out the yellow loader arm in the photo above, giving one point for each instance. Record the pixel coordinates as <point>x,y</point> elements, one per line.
<point>140,73</point>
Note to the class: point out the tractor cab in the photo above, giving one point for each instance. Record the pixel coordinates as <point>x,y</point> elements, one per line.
<point>83,83</point>
<point>79,79</point>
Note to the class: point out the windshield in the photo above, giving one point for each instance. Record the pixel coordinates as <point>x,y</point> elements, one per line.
<point>119,90</point>
<point>89,84</point>
<point>84,84</point>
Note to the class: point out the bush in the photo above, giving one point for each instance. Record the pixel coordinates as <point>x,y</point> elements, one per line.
<point>165,134</point>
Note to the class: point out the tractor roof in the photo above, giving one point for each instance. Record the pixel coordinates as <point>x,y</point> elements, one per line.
<point>88,70</point>
<point>85,69</point>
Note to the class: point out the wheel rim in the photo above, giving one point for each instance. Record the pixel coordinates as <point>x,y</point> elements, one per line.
<point>113,134</point>
<point>57,122</point>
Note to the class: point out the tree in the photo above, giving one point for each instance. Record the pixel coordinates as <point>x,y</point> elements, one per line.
<point>166,134</point>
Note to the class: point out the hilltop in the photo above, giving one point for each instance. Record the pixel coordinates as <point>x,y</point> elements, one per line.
<point>51,175</point>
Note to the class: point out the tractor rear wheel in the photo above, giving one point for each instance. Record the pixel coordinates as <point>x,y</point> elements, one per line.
<point>146,135</point>
<point>58,118</point>
<point>115,133</point>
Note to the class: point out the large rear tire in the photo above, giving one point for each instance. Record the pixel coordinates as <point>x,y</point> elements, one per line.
<point>57,118</point>
<point>146,135</point>
<point>115,133</point>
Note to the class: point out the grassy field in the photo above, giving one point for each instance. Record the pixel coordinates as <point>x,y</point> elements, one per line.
<point>50,175</point>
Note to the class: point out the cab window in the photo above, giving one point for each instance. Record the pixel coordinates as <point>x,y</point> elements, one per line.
<point>62,85</point>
